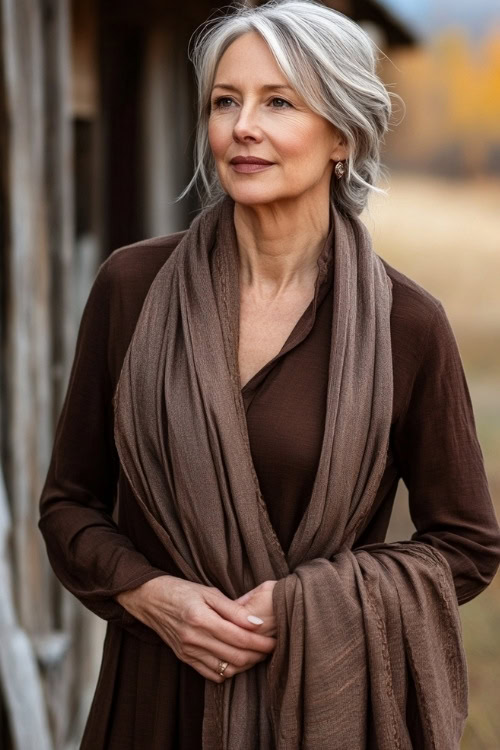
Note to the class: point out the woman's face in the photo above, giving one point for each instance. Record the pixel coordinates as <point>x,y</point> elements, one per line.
<point>254,113</point>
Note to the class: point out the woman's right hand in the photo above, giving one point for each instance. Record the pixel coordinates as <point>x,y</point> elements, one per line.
<point>200,624</point>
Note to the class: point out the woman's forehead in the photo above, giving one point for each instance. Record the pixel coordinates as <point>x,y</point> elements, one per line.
<point>248,46</point>
<point>246,59</point>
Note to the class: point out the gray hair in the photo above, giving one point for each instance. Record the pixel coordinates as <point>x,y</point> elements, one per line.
<point>329,60</point>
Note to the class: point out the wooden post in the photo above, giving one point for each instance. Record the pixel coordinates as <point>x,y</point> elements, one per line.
<point>59,190</point>
<point>28,330</point>
<point>39,337</point>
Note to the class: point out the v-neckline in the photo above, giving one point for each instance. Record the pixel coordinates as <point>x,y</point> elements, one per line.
<point>294,338</point>
<point>306,321</point>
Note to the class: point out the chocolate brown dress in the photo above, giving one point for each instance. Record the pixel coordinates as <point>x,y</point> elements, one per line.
<point>99,543</point>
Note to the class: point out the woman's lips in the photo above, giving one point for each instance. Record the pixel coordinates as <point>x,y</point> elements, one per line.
<point>249,167</point>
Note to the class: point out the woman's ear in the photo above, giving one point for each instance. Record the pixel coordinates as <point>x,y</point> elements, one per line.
<point>340,150</point>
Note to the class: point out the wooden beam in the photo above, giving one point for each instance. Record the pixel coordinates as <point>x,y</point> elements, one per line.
<point>59,193</point>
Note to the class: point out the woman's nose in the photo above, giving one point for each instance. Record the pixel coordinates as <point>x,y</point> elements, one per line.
<point>246,125</point>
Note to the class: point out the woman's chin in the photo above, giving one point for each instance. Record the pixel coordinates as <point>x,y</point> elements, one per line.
<point>255,197</point>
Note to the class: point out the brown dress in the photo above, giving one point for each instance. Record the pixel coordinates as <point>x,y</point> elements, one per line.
<point>99,543</point>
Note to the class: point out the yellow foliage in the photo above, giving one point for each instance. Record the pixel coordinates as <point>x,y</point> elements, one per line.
<point>452,94</point>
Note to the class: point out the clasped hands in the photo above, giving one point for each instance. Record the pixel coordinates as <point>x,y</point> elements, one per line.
<point>205,628</point>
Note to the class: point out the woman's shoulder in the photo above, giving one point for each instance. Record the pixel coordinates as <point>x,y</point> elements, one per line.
<point>120,287</point>
<point>139,261</point>
<point>408,294</point>
<point>415,310</point>
<point>424,347</point>
<point>421,333</point>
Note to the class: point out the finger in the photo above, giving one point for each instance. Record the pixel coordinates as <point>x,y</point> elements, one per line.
<point>239,658</point>
<point>232,670</point>
<point>211,631</point>
<point>212,664</point>
<point>221,629</point>
<point>221,666</point>
<point>269,628</point>
<point>245,598</point>
<point>207,671</point>
<point>234,612</point>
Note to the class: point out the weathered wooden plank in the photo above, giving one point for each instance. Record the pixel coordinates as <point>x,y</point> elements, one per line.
<point>19,675</point>
<point>34,46</point>
<point>59,189</point>
<point>28,337</point>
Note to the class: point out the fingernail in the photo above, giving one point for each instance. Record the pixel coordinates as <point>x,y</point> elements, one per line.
<point>255,620</point>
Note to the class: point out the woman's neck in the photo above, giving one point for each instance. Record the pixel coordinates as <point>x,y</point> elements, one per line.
<point>279,249</point>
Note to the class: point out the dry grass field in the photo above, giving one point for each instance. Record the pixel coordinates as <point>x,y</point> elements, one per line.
<point>445,234</point>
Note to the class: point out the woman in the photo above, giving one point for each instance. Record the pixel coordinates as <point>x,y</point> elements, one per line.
<point>247,394</point>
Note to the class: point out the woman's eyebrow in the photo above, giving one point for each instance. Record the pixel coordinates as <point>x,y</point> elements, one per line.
<point>263,88</point>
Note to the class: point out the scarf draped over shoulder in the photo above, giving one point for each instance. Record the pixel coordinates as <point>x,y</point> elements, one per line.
<point>369,647</point>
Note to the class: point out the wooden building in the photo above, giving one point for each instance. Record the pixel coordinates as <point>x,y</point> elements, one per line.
<point>97,117</point>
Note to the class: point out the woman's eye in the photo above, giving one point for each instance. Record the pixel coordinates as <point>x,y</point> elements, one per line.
<point>278,99</point>
<point>218,103</point>
<point>224,102</point>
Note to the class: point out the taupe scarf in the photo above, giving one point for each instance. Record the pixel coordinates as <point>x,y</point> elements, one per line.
<point>369,651</point>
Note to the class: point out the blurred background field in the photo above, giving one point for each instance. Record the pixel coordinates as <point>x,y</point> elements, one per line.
<point>445,234</point>
<point>440,224</point>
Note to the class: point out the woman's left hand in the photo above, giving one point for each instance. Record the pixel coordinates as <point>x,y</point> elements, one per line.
<point>259,601</point>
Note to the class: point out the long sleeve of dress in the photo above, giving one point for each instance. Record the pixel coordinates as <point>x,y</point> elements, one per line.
<point>441,463</point>
<point>87,551</point>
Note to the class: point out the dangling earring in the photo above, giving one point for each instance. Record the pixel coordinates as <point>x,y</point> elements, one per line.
<point>339,169</point>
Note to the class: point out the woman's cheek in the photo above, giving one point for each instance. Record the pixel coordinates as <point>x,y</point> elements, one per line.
<point>216,137</point>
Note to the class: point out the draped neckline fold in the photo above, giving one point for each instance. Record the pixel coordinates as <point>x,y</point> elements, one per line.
<point>225,251</point>
<point>342,258</point>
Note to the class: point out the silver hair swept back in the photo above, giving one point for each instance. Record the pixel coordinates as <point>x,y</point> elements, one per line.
<point>329,60</point>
